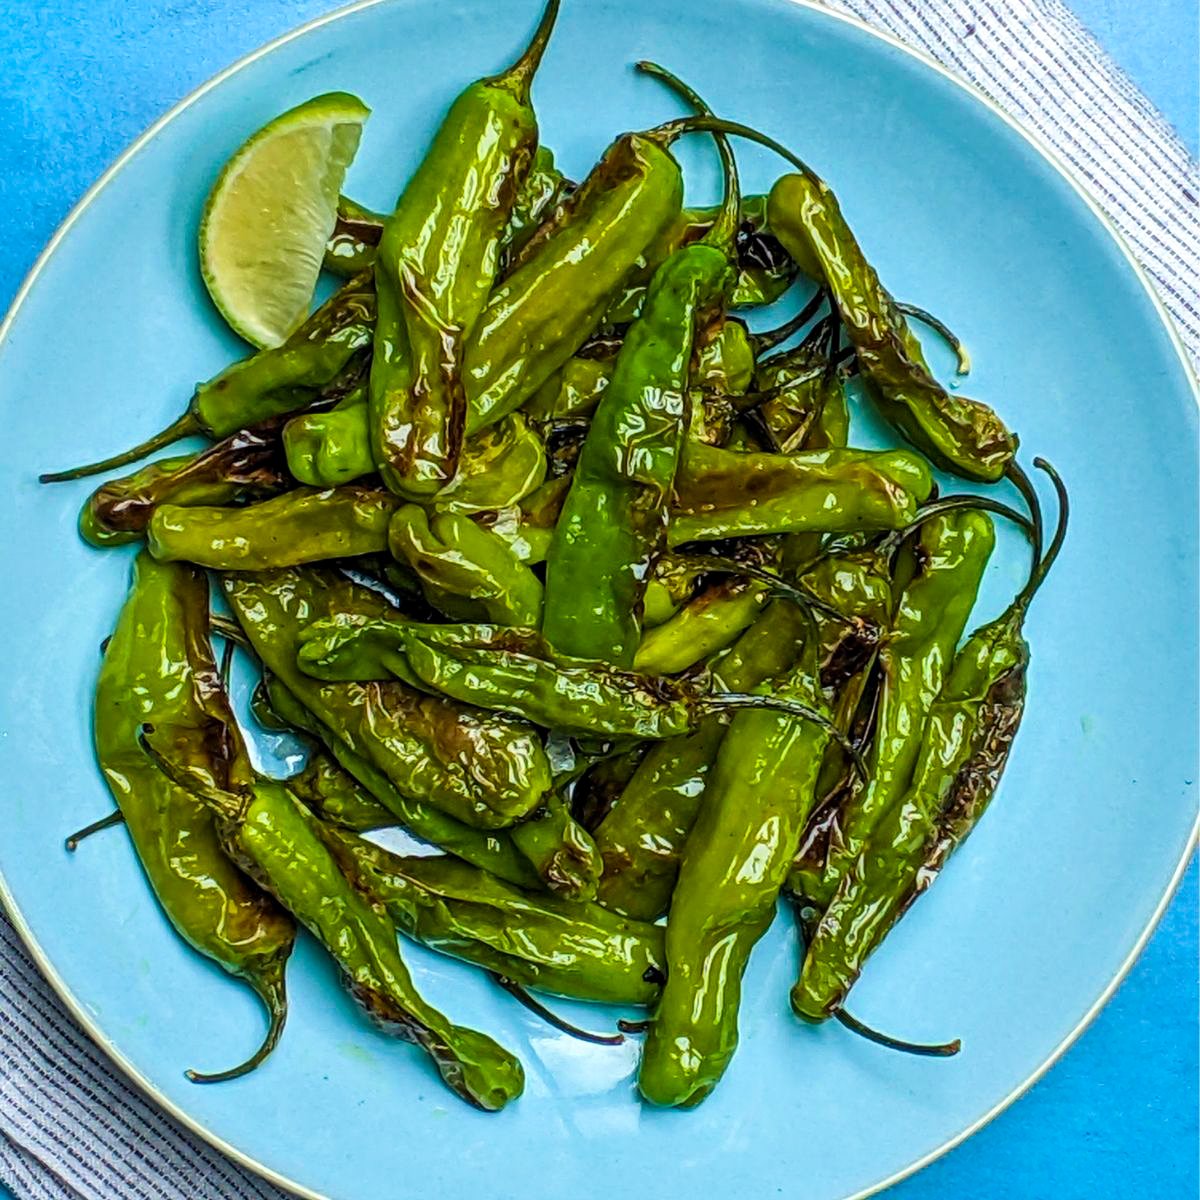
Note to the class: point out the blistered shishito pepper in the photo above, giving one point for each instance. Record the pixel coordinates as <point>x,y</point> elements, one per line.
<point>274,381</point>
<point>467,571</point>
<point>613,522</point>
<point>483,770</point>
<point>756,801</point>
<point>705,625</point>
<point>950,554</point>
<point>436,264</point>
<point>158,667</point>
<point>301,526</point>
<point>246,465</point>
<point>491,849</point>
<point>560,850</point>
<point>277,842</point>
<point>642,839</point>
<point>726,493</point>
<point>571,948</point>
<point>963,435</point>
<point>967,740</point>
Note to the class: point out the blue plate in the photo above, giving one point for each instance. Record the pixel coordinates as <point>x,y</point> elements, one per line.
<point>1035,920</point>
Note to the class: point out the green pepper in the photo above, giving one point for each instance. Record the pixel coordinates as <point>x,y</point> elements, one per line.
<point>500,467</point>
<point>951,553</point>
<point>705,625</point>
<point>330,792</point>
<point>642,839</point>
<point>755,805</point>
<point>572,391</point>
<point>246,465</point>
<point>966,743</point>
<point>806,406</point>
<point>302,526</point>
<point>485,771</point>
<point>279,380</point>
<point>466,570</point>
<point>613,522</point>
<point>492,850</point>
<point>355,239</point>
<point>158,667</point>
<point>725,493</point>
<point>570,948</point>
<point>960,434</point>
<point>331,448</point>
<point>436,264</point>
<point>277,842</point>
<point>561,851</point>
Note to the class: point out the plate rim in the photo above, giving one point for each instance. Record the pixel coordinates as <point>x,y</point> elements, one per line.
<point>1034,139</point>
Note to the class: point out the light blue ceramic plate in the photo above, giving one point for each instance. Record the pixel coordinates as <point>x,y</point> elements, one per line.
<point>1032,924</point>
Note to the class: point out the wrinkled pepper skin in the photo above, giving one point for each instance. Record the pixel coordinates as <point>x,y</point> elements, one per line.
<point>951,554</point>
<point>707,624</point>
<point>466,571</point>
<point>159,668</point>
<point>724,493</point>
<point>643,838</point>
<point>561,851</point>
<point>568,948</point>
<point>499,468</point>
<point>301,526</point>
<point>282,849</point>
<point>962,435</point>
<point>613,523</point>
<point>554,296</point>
<point>483,770</point>
<point>247,465</point>
<point>968,738</point>
<point>756,801</point>
<point>437,261</point>
<point>354,242</point>
<point>492,850</point>
<point>331,448</point>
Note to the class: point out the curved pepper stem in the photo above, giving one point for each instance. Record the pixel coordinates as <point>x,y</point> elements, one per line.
<point>796,592</point>
<point>770,338</point>
<point>273,993</point>
<point>1041,569</point>
<point>940,327</point>
<point>184,426</point>
<point>921,1049</point>
<point>116,817</point>
<point>723,232</point>
<point>670,130</point>
<point>519,77</point>
<point>552,1019</point>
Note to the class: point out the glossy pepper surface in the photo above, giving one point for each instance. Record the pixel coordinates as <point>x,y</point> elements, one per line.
<point>246,465</point>
<point>950,554</point>
<point>755,804</point>
<point>483,770</point>
<point>159,667</point>
<point>491,849</point>
<point>966,745</point>
<point>436,264</point>
<point>301,526</point>
<point>963,435</point>
<point>643,838</point>
<point>724,493</point>
<point>570,948</point>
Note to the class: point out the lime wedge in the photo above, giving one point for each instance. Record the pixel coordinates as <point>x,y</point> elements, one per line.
<point>271,211</point>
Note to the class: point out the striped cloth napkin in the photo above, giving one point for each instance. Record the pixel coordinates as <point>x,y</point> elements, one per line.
<point>71,1126</point>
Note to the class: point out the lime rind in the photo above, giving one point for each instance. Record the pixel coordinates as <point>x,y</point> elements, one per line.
<point>270,213</point>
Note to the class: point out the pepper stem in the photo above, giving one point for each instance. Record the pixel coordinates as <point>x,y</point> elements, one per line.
<point>272,991</point>
<point>670,130</point>
<point>797,593</point>
<point>520,75</point>
<point>1042,569</point>
<point>921,1049</point>
<point>515,990</point>
<point>1024,485</point>
<point>984,503</point>
<point>940,327</point>
<point>182,427</point>
<point>116,817</point>
<point>723,232</point>
<point>770,338</point>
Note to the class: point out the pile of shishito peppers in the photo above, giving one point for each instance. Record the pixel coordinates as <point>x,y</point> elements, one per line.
<point>563,570</point>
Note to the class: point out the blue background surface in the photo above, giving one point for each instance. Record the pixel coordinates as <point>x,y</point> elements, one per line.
<point>1118,1116</point>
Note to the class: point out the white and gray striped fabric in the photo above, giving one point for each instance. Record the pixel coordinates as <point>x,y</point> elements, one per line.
<point>71,1126</point>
